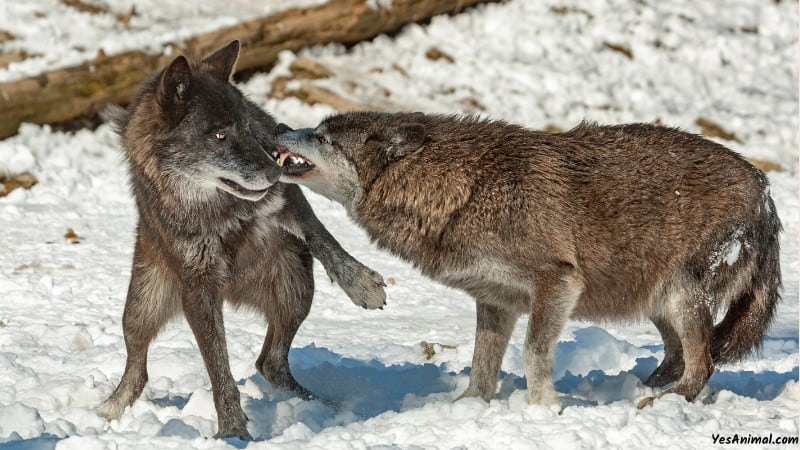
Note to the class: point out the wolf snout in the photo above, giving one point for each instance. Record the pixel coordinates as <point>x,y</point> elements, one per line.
<point>291,162</point>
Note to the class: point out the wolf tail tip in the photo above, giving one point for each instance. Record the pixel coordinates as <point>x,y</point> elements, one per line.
<point>749,316</point>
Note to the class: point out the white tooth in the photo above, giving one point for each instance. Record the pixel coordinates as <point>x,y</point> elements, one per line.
<point>282,158</point>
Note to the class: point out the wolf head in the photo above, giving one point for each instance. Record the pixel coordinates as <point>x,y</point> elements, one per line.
<point>192,130</point>
<point>342,156</point>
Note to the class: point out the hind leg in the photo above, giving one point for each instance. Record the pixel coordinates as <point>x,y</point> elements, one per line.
<point>282,290</point>
<point>671,368</point>
<point>692,322</point>
<point>150,303</point>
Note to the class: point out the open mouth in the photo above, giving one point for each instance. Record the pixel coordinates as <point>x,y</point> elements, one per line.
<point>240,191</point>
<point>291,163</point>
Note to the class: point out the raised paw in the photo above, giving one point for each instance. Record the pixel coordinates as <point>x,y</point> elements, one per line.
<point>366,289</point>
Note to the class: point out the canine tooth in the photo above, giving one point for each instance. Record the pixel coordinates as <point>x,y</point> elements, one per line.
<point>282,158</point>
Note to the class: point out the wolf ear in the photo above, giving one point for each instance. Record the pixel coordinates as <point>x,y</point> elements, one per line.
<point>173,88</point>
<point>221,63</point>
<point>405,139</point>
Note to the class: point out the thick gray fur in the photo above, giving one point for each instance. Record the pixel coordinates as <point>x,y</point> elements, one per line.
<point>213,225</point>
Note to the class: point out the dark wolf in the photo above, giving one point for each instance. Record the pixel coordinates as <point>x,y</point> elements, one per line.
<point>600,223</point>
<point>213,225</point>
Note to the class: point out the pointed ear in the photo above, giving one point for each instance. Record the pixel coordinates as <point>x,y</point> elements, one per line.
<point>174,88</point>
<point>405,139</point>
<point>221,63</point>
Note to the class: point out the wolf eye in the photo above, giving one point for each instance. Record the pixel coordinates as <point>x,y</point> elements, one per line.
<point>322,139</point>
<point>220,135</point>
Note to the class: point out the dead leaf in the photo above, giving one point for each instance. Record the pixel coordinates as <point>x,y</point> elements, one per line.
<point>713,129</point>
<point>85,6</point>
<point>434,54</point>
<point>619,48</point>
<point>5,36</point>
<point>14,181</point>
<point>472,103</point>
<point>429,348</point>
<point>7,58</point>
<point>73,237</point>
<point>564,10</point>
<point>126,18</point>
<point>396,67</point>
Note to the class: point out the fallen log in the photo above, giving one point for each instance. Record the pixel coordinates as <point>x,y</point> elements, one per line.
<point>65,94</point>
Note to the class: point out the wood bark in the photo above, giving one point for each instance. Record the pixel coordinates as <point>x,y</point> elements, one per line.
<point>65,94</point>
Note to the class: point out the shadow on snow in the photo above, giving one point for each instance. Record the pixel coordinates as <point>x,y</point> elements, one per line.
<point>356,390</point>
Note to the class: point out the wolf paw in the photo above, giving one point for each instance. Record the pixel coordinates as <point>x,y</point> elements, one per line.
<point>109,410</point>
<point>233,425</point>
<point>544,396</point>
<point>366,289</point>
<point>237,432</point>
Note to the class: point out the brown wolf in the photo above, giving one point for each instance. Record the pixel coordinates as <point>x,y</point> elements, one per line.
<point>599,223</point>
<point>213,225</point>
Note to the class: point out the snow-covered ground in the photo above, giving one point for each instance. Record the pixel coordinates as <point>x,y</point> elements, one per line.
<point>62,33</point>
<point>534,63</point>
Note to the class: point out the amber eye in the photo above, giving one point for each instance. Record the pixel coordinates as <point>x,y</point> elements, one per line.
<point>220,135</point>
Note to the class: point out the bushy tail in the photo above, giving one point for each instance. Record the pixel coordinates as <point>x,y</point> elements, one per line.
<point>741,331</point>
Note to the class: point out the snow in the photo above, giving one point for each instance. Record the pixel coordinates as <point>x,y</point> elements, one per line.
<point>61,345</point>
<point>57,35</point>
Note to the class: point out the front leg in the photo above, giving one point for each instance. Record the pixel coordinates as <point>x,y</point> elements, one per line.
<point>203,309</point>
<point>493,330</point>
<point>152,300</point>
<point>363,285</point>
<point>555,293</point>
